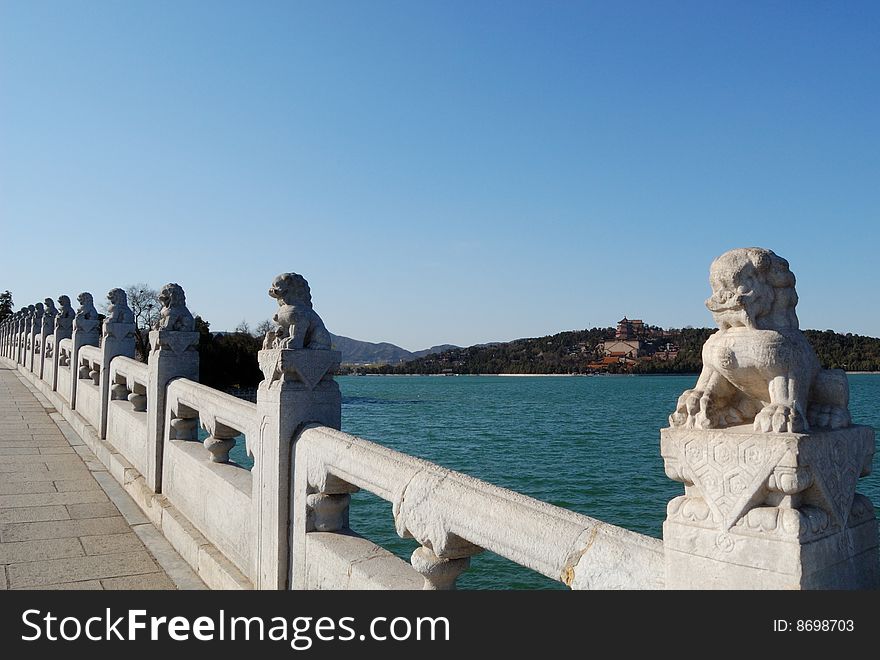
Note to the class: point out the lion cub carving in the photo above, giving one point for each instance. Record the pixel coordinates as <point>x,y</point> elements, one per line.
<point>299,326</point>
<point>759,367</point>
<point>174,314</point>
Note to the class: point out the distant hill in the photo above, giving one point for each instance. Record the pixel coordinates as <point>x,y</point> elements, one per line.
<point>432,350</point>
<point>572,352</point>
<point>355,351</point>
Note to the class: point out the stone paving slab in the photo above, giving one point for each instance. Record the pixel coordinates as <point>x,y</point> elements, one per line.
<point>25,487</point>
<point>46,499</point>
<point>76,569</point>
<point>75,485</point>
<point>110,543</point>
<point>60,521</point>
<point>147,581</point>
<point>24,551</point>
<point>85,585</point>
<point>33,514</point>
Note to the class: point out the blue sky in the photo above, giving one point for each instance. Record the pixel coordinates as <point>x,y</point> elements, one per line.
<point>441,172</point>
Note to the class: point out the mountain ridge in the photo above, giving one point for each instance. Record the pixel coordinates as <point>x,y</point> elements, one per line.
<point>355,351</point>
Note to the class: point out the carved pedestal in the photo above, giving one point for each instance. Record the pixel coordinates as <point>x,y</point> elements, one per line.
<point>173,354</point>
<point>297,389</point>
<point>118,339</point>
<point>769,510</point>
<point>85,333</point>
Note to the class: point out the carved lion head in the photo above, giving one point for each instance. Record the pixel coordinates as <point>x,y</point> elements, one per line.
<point>290,289</point>
<point>64,301</point>
<point>172,295</point>
<point>85,299</point>
<point>117,297</point>
<point>753,288</point>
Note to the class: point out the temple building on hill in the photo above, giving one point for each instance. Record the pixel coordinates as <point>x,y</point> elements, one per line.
<point>627,342</point>
<point>633,342</point>
<point>629,329</point>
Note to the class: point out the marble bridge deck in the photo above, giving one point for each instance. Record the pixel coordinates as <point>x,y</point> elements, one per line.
<point>65,523</point>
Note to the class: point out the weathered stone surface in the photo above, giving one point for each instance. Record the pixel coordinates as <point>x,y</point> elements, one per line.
<point>83,585</point>
<point>24,551</point>
<point>105,544</point>
<point>64,319</point>
<point>174,315</point>
<point>24,487</point>
<point>92,510</point>
<point>173,354</point>
<point>148,581</point>
<point>73,569</point>
<point>33,514</point>
<point>759,368</point>
<point>769,510</point>
<point>348,561</point>
<point>171,562</point>
<point>299,324</point>
<point>75,485</point>
<point>61,529</point>
<point>765,449</point>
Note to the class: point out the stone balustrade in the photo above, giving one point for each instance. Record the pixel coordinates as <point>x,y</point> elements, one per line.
<point>769,467</point>
<point>213,493</point>
<point>453,516</point>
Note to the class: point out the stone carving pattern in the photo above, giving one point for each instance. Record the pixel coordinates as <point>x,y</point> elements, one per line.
<point>49,316</point>
<point>759,368</point>
<point>299,326</point>
<point>65,316</point>
<point>86,313</point>
<point>729,483</point>
<point>174,315</point>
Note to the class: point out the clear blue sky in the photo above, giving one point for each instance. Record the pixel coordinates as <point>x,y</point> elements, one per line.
<point>442,171</point>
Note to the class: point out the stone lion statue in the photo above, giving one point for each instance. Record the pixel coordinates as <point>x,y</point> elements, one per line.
<point>759,367</point>
<point>49,314</point>
<point>299,326</point>
<point>86,309</point>
<point>118,310</point>
<point>65,313</point>
<point>174,314</point>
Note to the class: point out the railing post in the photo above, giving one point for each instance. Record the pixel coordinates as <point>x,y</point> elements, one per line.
<point>46,329</point>
<point>85,333</point>
<point>35,330</point>
<point>117,339</point>
<point>174,353</point>
<point>297,388</point>
<point>24,334</point>
<point>63,330</point>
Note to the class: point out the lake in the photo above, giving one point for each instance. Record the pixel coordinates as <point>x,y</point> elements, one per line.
<point>590,444</point>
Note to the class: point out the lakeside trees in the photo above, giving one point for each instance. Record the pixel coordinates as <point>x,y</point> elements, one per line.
<point>571,352</point>
<point>6,305</point>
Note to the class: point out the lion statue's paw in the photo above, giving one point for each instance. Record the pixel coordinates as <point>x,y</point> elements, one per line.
<point>827,416</point>
<point>780,418</point>
<point>696,409</point>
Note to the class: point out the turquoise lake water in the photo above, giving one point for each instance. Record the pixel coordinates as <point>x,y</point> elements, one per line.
<point>590,444</point>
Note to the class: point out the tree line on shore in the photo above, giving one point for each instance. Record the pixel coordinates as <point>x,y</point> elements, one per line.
<point>229,360</point>
<point>572,352</point>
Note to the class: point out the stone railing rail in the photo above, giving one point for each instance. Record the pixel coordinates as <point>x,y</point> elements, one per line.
<point>453,516</point>
<point>213,493</point>
<point>762,507</point>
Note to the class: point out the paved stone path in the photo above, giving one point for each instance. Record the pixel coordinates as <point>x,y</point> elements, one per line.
<point>65,523</point>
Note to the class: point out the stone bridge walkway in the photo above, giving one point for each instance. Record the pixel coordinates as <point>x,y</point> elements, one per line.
<point>65,523</point>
